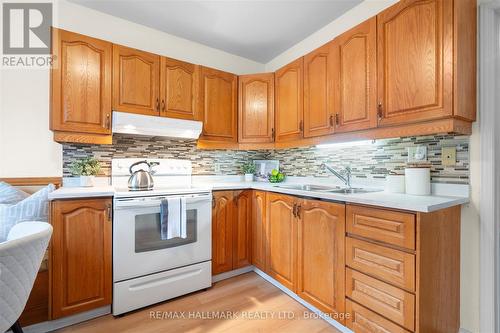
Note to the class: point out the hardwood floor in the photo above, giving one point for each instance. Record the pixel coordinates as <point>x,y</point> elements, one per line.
<point>245,296</point>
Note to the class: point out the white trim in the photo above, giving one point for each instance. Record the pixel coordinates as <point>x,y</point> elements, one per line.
<point>48,326</point>
<point>233,273</point>
<point>489,192</point>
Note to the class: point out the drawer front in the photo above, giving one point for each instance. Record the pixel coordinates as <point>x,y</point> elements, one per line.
<point>391,302</point>
<point>382,225</point>
<point>362,320</point>
<point>392,266</point>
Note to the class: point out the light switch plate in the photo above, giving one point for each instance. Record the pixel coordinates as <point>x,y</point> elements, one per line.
<point>448,156</point>
<point>417,154</point>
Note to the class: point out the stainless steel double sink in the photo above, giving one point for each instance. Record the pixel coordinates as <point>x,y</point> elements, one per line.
<point>326,189</point>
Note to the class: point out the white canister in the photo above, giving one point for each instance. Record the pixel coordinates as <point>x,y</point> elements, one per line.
<point>395,184</point>
<point>418,181</point>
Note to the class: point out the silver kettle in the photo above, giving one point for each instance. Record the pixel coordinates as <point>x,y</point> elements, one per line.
<point>141,180</point>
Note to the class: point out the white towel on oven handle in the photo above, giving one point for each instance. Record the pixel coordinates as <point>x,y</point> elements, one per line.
<point>174,218</point>
<point>183,219</point>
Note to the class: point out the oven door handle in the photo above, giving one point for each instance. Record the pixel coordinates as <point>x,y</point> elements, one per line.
<point>125,204</point>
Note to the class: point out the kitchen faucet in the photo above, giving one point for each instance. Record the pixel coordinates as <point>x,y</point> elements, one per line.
<point>340,175</point>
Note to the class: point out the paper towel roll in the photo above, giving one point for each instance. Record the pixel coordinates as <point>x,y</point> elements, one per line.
<point>418,181</point>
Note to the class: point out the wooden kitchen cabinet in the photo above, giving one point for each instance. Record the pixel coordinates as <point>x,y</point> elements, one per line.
<point>222,231</point>
<point>81,255</point>
<point>218,103</point>
<point>318,92</point>
<point>242,228</point>
<point>282,239</point>
<point>355,78</point>
<point>426,70</point>
<point>80,109</point>
<point>179,83</point>
<point>320,259</point>
<point>136,81</point>
<point>259,234</point>
<point>256,108</point>
<point>289,105</point>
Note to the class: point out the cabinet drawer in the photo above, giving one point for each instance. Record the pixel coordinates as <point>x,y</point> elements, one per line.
<point>391,302</point>
<point>382,225</point>
<point>362,320</point>
<point>393,266</point>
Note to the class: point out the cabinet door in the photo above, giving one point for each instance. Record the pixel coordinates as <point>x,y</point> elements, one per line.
<point>218,95</point>
<point>81,255</point>
<point>136,78</point>
<point>256,108</point>
<point>222,232</point>
<point>415,59</point>
<point>289,94</point>
<point>178,89</point>
<point>242,249</point>
<point>355,78</point>
<point>259,239</point>
<point>282,239</point>
<point>318,93</point>
<point>80,84</point>
<point>321,264</point>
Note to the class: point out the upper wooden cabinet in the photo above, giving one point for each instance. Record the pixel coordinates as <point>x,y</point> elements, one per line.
<point>256,108</point>
<point>415,61</point>
<point>282,239</point>
<point>178,89</point>
<point>218,100</point>
<point>321,238</point>
<point>81,87</point>
<point>136,81</point>
<point>318,92</point>
<point>289,119</point>
<point>81,255</point>
<point>355,78</point>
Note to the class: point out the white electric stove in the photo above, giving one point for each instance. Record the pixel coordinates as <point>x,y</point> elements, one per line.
<point>146,267</point>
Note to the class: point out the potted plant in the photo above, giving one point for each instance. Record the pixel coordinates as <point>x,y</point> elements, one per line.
<point>87,169</point>
<point>249,171</point>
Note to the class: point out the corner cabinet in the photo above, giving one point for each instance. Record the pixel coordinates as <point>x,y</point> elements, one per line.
<point>256,108</point>
<point>218,105</point>
<point>289,91</point>
<point>242,229</point>
<point>259,235</point>
<point>81,255</point>
<point>136,81</point>
<point>80,109</point>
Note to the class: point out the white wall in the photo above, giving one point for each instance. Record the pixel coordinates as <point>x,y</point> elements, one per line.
<point>25,139</point>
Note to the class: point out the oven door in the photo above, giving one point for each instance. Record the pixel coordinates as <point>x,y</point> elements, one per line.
<point>138,248</point>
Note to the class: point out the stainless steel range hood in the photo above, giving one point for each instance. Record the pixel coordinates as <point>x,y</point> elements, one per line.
<point>130,123</point>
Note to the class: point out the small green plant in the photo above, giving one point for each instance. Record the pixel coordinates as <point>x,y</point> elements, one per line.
<point>248,168</point>
<point>85,167</point>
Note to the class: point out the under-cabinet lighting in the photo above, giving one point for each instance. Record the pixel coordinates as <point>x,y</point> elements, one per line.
<point>345,144</point>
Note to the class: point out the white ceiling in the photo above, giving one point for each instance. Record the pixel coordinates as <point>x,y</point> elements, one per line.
<point>253,29</point>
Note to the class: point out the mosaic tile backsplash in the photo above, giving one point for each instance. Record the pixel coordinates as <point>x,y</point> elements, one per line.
<point>369,160</point>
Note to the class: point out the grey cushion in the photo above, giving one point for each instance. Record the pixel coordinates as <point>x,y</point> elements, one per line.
<point>33,208</point>
<point>11,195</point>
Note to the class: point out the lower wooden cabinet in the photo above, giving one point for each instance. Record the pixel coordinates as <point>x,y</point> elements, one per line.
<point>81,255</point>
<point>259,236</point>
<point>320,250</point>
<point>231,230</point>
<point>362,320</point>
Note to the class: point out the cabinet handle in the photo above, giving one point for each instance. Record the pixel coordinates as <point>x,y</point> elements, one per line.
<point>301,126</point>
<point>331,120</point>
<point>272,134</point>
<point>158,104</point>
<point>162,105</point>
<point>298,211</point>
<point>380,115</point>
<point>213,203</point>
<point>109,212</point>
<point>337,119</point>
<point>108,121</point>
<point>294,210</point>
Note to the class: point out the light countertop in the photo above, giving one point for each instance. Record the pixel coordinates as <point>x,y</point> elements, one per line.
<point>382,199</point>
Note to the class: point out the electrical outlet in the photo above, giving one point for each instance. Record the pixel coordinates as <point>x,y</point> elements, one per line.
<point>217,168</point>
<point>417,154</point>
<point>448,156</point>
